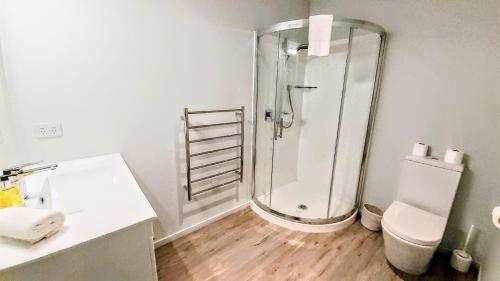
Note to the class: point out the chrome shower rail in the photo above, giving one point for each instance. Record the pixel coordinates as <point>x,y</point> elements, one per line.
<point>188,141</point>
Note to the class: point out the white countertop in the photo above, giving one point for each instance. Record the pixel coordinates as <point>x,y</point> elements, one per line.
<point>100,208</point>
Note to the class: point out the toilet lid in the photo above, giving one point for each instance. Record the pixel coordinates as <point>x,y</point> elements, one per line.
<point>413,224</point>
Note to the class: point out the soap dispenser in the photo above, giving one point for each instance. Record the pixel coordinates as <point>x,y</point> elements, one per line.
<point>10,192</point>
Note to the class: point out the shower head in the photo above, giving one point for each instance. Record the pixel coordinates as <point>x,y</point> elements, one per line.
<point>294,51</point>
<point>303,47</point>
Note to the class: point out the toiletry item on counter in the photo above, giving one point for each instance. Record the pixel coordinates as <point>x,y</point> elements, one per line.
<point>453,156</point>
<point>420,149</point>
<point>495,216</point>
<point>29,224</point>
<point>320,35</point>
<point>10,192</point>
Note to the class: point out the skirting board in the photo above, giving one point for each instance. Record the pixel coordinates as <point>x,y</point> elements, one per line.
<point>183,232</point>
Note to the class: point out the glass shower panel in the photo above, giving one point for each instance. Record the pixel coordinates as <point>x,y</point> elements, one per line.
<point>307,107</point>
<point>358,95</point>
<point>267,58</point>
<point>312,118</point>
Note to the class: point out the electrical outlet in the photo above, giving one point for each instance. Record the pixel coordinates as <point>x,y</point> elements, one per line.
<point>48,130</point>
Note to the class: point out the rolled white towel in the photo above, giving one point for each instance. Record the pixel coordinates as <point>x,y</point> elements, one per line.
<point>320,35</point>
<point>29,224</point>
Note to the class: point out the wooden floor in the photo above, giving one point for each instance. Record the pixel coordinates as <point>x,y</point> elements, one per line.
<point>243,246</point>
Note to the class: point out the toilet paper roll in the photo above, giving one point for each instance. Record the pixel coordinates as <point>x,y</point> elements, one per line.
<point>460,260</point>
<point>453,156</point>
<point>495,215</point>
<point>420,149</point>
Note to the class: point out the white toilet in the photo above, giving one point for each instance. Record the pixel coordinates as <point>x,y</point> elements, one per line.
<point>414,224</point>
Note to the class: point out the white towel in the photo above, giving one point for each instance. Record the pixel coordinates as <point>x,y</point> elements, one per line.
<point>320,34</point>
<point>29,224</point>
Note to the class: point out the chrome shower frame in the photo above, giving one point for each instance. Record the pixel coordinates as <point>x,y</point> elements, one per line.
<point>302,23</point>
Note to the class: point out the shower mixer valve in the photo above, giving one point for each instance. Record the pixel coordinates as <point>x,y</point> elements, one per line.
<point>268,115</point>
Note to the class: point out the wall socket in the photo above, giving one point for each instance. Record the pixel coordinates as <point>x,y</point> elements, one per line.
<point>48,130</point>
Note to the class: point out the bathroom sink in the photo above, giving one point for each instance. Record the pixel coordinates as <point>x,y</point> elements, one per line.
<point>72,192</point>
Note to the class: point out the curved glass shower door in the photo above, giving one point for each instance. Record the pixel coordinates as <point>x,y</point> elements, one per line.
<point>312,118</point>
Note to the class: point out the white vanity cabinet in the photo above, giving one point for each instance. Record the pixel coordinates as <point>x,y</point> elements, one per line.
<point>108,233</point>
<point>124,255</point>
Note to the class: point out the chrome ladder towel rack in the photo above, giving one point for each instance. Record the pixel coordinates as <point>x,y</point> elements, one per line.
<point>188,141</point>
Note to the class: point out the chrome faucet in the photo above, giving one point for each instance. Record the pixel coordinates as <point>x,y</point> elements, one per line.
<point>24,169</point>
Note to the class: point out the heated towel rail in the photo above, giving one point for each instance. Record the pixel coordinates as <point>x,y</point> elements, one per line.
<point>188,141</point>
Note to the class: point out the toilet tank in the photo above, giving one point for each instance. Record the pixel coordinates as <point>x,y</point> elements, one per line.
<point>429,184</point>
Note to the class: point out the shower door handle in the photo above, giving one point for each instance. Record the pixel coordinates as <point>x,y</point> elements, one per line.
<point>279,124</point>
<point>281,128</point>
<point>275,131</point>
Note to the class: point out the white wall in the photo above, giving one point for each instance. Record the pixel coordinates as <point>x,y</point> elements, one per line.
<point>440,86</point>
<point>8,144</point>
<point>490,269</point>
<point>7,139</point>
<point>117,74</point>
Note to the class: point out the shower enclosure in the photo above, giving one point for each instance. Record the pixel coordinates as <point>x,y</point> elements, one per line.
<point>313,120</point>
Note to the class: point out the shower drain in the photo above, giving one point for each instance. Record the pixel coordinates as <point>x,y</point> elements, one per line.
<point>302,207</point>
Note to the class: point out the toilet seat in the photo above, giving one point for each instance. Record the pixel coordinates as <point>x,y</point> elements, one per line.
<point>413,224</point>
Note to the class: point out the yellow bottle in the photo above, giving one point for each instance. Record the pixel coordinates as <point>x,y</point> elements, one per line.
<point>10,193</point>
